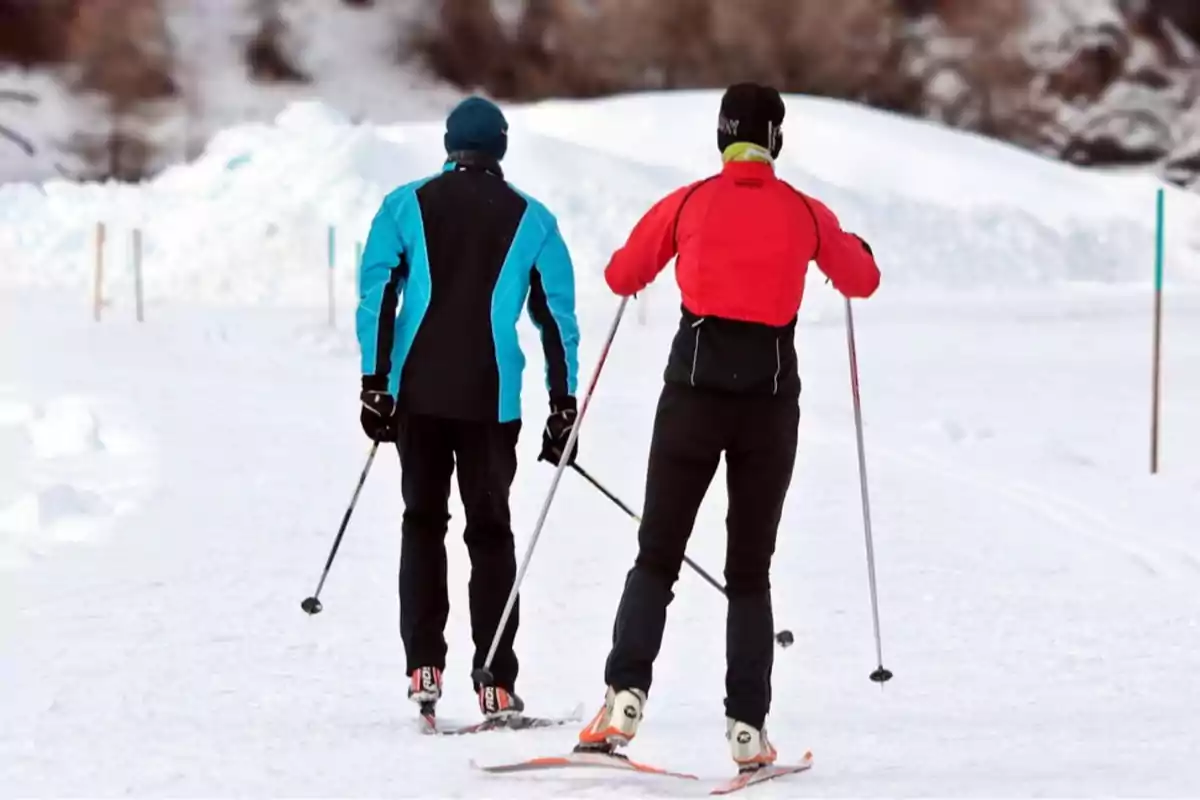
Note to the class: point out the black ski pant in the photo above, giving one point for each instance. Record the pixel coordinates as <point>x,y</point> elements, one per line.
<point>692,428</point>
<point>486,456</point>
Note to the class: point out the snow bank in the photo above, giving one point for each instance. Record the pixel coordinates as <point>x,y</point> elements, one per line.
<point>248,221</point>
<point>65,475</point>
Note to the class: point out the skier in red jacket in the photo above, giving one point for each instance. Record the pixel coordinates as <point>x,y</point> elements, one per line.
<point>742,240</point>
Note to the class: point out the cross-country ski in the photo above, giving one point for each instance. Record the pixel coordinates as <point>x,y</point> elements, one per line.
<point>574,760</point>
<point>762,774</point>
<point>599,760</point>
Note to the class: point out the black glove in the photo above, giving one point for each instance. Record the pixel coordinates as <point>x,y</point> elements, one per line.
<point>558,429</point>
<point>378,414</point>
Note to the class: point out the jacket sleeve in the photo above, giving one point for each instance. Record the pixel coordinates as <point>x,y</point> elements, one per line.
<point>381,279</point>
<point>552,308</point>
<point>650,246</point>
<point>842,256</point>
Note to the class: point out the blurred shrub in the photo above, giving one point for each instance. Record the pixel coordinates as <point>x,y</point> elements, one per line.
<point>1102,90</point>
<point>33,32</point>
<point>122,67</point>
<point>267,55</point>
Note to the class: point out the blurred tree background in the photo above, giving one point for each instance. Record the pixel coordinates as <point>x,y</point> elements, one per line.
<point>1105,90</point>
<point>1110,83</point>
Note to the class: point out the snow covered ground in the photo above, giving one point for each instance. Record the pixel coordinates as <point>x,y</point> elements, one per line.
<point>169,490</point>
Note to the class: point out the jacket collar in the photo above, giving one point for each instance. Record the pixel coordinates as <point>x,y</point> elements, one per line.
<point>747,151</point>
<point>472,160</point>
<point>748,169</point>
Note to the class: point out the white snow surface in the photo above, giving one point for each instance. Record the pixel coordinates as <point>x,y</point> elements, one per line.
<point>169,489</point>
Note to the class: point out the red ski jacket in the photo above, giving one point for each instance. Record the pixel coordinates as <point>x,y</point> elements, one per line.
<point>743,240</point>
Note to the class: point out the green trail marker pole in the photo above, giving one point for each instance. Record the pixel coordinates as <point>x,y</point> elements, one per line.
<point>1156,393</point>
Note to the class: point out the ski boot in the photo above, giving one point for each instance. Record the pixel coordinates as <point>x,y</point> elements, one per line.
<point>615,724</point>
<point>749,746</point>
<point>425,689</point>
<point>497,703</point>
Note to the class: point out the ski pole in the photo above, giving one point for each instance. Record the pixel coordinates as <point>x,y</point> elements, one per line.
<point>312,605</point>
<point>784,637</point>
<point>483,675</point>
<point>636,518</point>
<point>880,675</point>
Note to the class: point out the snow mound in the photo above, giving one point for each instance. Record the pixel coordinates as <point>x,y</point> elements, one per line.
<point>64,475</point>
<point>249,221</point>
<point>38,521</point>
<point>66,427</point>
<point>14,412</point>
<point>50,507</point>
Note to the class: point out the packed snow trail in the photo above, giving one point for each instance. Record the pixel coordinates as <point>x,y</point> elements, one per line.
<point>1037,591</point>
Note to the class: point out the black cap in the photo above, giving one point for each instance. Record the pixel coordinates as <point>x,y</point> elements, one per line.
<point>751,112</point>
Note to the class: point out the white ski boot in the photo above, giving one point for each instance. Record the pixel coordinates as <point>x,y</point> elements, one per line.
<point>749,746</point>
<point>615,724</point>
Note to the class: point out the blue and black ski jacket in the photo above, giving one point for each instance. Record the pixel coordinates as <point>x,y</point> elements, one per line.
<point>466,251</point>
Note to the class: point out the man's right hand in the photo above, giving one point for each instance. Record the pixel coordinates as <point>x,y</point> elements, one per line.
<point>378,415</point>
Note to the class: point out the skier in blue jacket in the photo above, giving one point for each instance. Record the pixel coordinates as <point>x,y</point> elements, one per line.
<point>450,262</point>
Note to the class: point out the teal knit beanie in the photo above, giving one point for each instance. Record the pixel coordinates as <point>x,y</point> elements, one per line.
<point>477,124</point>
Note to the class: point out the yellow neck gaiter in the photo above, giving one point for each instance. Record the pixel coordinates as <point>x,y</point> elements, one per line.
<point>746,151</point>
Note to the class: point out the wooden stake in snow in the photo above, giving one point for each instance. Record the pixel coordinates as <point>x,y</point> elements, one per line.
<point>1157,368</point>
<point>332,264</point>
<point>98,290</point>
<point>137,272</point>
